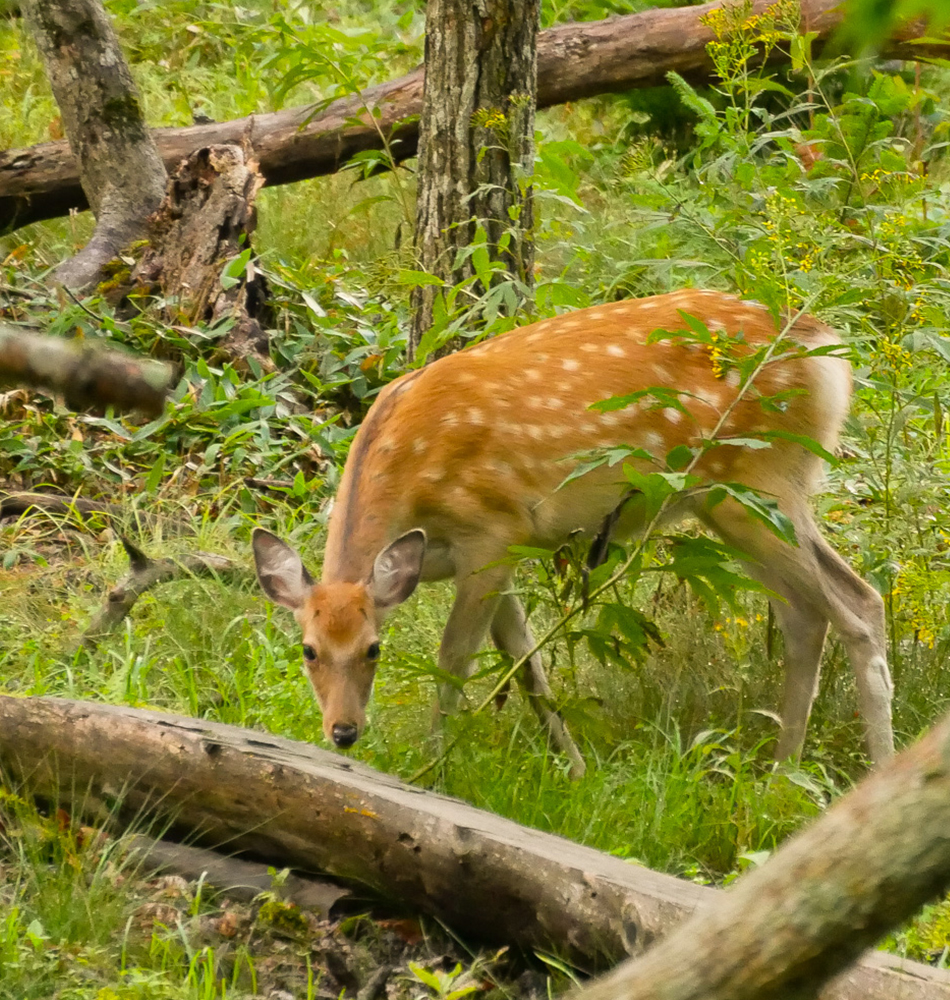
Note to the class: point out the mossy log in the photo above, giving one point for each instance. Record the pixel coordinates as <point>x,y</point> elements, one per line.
<point>574,61</point>
<point>290,804</point>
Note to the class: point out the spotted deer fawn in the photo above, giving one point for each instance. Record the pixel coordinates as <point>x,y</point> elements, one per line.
<point>458,461</point>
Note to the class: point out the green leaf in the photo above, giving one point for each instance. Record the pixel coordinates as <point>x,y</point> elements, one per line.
<point>154,477</point>
<point>743,442</point>
<point>234,271</point>
<point>762,507</point>
<point>679,457</point>
<point>809,443</point>
<point>425,976</point>
<point>418,279</point>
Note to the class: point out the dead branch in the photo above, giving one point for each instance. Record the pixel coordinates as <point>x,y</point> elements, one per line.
<point>241,880</point>
<point>119,516</point>
<point>18,504</point>
<point>88,378</point>
<point>145,574</point>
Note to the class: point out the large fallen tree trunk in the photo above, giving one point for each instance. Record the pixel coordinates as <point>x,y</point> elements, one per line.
<point>831,891</point>
<point>574,61</point>
<point>293,805</point>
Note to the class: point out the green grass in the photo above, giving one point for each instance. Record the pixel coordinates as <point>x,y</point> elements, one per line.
<point>680,778</point>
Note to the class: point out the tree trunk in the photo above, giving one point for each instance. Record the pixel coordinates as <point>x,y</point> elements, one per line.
<point>121,172</point>
<point>203,225</point>
<point>574,61</point>
<point>876,856</point>
<point>833,890</point>
<point>476,146</point>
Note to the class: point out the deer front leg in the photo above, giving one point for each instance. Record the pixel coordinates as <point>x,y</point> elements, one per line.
<point>511,633</point>
<point>476,598</point>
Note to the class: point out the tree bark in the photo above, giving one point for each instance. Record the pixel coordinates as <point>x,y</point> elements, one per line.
<point>203,224</point>
<point>833,890</point>
<point>296,806</point>
<point>476,146</point>
<point>122,175</point>
<point>87,377</point>
<point>574,61</point>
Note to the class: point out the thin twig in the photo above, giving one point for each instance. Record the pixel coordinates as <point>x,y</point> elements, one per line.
<point>144,574</point>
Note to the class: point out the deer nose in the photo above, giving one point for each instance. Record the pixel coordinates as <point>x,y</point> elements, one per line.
<point>344,734</point>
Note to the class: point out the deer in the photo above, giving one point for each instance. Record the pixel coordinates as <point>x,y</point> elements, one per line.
<point>460,460</point>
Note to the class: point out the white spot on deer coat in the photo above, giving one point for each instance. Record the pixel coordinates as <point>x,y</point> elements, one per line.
<point>616,351</point>
<point>570,364</point>
<point>653,442</point>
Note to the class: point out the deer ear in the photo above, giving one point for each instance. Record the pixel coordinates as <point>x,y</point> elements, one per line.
<point>397,568</point>
<point>280,570</point>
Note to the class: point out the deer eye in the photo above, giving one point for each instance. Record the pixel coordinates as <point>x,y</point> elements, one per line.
<point>373,652</point>
<point>309,653</point>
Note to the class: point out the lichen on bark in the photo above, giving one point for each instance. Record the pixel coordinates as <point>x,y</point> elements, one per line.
<point>121,172</point>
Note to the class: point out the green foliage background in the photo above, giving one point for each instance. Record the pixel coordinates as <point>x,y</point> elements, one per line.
<point>824,188</point>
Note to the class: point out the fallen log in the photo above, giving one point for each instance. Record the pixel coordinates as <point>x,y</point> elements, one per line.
<point>296,806</point>
<point>574,61</point>
<point>831,891</point>
<point>241,880</point>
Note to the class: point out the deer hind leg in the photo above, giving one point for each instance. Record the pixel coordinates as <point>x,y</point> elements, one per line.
<point>511,633</point>
<point>804,629</point>
<point>817,587</point>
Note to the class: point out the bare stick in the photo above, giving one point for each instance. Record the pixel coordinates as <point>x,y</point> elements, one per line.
<point>145,574</point>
